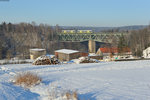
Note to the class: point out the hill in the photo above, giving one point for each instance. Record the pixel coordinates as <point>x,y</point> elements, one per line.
<point>100,29</point>
<point>17,39</point>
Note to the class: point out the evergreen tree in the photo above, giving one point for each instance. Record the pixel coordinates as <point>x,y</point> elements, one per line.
<point>122,44</point>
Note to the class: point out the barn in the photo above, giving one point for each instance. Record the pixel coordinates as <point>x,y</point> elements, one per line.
<point>107,51</point>
<point>113,53</point>
<point>67,54</point>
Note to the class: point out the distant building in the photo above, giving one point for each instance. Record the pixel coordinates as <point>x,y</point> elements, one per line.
<point>111,54</point>
<point>35,53</point>
<point>67,54</point>
<point>113,51</point>
<point>146,53</point>
<point>107,51</point>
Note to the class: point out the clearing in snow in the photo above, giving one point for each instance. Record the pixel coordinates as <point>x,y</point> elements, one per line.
<point>97,81</point>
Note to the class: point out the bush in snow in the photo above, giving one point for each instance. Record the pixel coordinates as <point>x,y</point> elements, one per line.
<point>27,79</point>
<point>87,60</point>
<point>70,96</point>
<point>65,96</point>
<point>83,60</point>
<point>58,94</point>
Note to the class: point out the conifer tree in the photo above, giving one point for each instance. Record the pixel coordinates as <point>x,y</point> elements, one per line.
<point>122,44</point>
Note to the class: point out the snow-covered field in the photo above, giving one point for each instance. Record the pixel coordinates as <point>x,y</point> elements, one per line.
<point>100,81</point>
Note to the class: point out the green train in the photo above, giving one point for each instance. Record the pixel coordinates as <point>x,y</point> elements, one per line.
<point>76,31</point>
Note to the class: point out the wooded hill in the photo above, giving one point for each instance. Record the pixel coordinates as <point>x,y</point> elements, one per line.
<point>17,39</point>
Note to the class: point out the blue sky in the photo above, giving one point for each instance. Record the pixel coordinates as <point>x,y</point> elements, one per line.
<point>77,12</point>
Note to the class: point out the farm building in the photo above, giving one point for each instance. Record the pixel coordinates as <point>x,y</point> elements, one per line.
<point>110,52</point>
<point>67,55</point>
<point>35,53</point>
<point>107,51</point>
<point>146,53</point>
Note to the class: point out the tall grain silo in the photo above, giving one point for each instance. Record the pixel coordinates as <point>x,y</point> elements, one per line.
<point>36,52</point>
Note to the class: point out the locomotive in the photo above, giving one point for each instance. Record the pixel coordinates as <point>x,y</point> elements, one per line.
<point>75,31</point>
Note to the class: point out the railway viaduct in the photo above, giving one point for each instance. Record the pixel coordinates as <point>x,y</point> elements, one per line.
<point>90,37</point>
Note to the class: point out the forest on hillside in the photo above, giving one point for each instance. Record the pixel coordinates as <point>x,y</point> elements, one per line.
<point>17,39</point>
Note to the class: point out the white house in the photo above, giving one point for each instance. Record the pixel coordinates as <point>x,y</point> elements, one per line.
<point>146,53</point>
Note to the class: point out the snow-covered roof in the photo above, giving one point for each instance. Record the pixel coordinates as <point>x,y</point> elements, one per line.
<point>37,49</point>
<point>92,54</point>
<point>66,51</point>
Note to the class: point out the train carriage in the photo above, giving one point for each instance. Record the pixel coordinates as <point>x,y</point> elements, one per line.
<point>84,31</point>
<point>68,31</point>
<point>76,31</point>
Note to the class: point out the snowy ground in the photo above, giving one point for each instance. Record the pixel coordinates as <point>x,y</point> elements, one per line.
<point>100,81</point>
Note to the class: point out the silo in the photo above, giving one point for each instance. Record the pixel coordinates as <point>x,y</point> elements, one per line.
<point>36,52</point>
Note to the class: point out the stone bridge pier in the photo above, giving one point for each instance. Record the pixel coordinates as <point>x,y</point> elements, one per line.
<point>92,46</point>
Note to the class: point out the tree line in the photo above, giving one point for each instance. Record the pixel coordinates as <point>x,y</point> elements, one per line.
<point>17,39</point>
<point>136,40</point>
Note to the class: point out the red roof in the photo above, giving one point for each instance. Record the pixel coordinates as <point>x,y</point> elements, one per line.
<point>113,50</point>
<point>109,50</point>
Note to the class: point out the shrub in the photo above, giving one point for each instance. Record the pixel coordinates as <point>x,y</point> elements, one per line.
<point>58,94</point>
<point>71,96</point>
<point>27,79</point>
